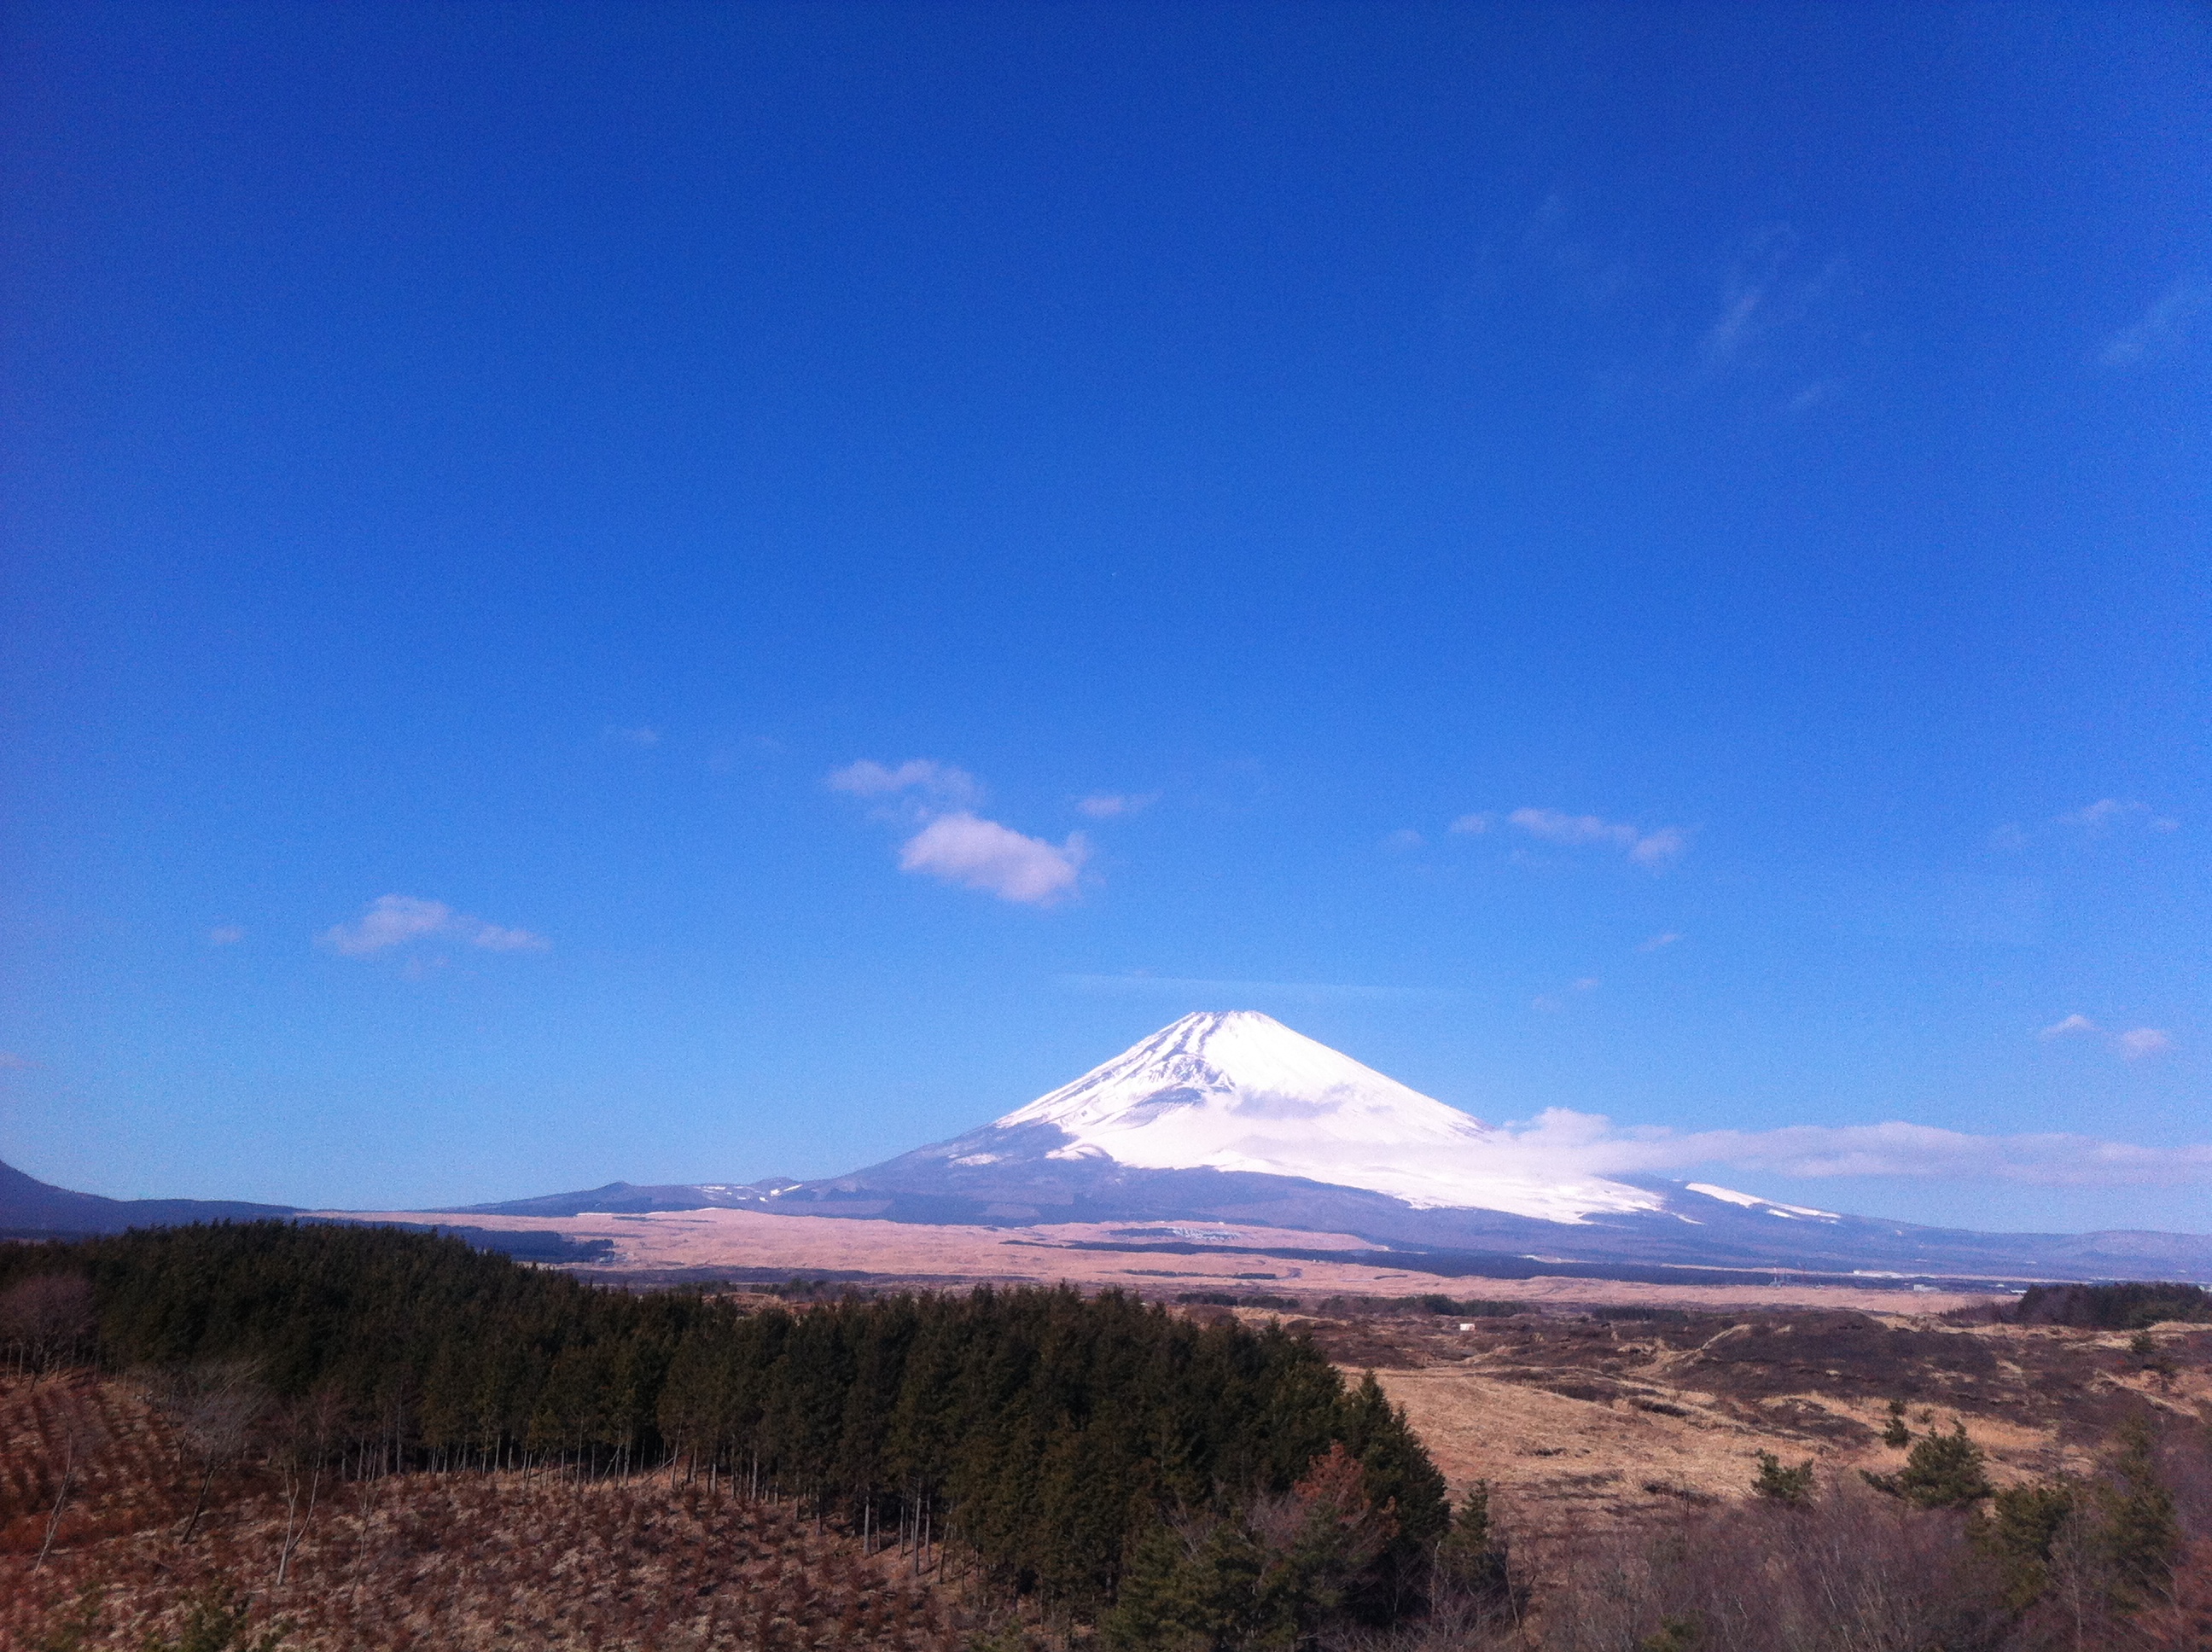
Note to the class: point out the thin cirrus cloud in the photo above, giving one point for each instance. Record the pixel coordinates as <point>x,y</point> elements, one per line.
<point>1109,806</point>
<point>956,845</point>
<point>2107,813</point>
<point>1560,1141</point>
<point>919,780</point>
<point>2171,319</point>
<point>226,935</point>
<point>1654,848</point>
<point>396,920</point>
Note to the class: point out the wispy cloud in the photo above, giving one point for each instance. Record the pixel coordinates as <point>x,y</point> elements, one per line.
<point>1658,941</point>
<point>1562,1142</point>
<point>1654,848</point>
<point>2140,1042</point>
<point>935,783</point>
<point>11,1062</point>
<point>1403,839</point>
<point>637,736</point>
<point>226,935</point>
<point>1759,296</point>
<point>2071,1024</point>
<point>2107,813</point>
<point>2169,321</point>
<point>394,921</point>
<point>977,853</point>
<point>1473,825</point>
<point>2133,1045</point>
<point>1236,994</point>
<point>1553,1003</point>
<point>1108,806</point>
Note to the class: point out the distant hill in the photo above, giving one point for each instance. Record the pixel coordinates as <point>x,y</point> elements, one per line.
<point>30,1208</point>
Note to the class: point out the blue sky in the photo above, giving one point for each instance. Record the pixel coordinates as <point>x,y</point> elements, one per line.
<point>683,593</point>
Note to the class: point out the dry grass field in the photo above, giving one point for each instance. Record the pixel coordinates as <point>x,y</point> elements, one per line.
<point>1574,1418</point>
<point>672,1244</point>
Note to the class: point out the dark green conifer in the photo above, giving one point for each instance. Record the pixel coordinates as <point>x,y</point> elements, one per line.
<point>1944,1471</point>
<point>1791,1487</point>
<point>1897,1435</point>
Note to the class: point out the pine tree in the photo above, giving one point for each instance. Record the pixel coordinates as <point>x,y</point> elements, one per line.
<point>1897,1435</point>
<point>1791,1487</point>
<point>2139,1535</point>
<point>2023,1522</point>
<point>1473,1558</point>
<point>1944,1471</point>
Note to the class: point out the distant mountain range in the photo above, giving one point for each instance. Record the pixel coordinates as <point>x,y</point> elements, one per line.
<point>1234,1117</point>
<point>30,1208</point>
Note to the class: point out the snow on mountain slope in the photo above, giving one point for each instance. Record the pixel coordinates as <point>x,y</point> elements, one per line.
<point>1241,1091</point>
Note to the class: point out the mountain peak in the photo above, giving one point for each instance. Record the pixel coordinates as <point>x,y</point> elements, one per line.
<point>1238,1090</point>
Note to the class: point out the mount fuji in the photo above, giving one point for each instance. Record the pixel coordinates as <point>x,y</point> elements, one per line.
<point>1232,1117</point>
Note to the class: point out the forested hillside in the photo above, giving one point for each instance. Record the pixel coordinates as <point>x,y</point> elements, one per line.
<point>1039,1432</point>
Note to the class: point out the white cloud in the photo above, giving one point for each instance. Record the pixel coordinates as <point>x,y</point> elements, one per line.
<point>1562,1142</point>
<point>937,784</point>
<point>393,920</point>
<point>11,1062</point>
<point>2139,1042</point>
<point>961,849</point>
<point>1471,824</point>
<point>2169,320</point>
<point>1105,806</point>
<point>1658,941</point>
<point>2008,838</point>
<point>226,935</point>
<point>1654,848</point>
<point>496,937</point>
<point>641,736</point>
<point>1657,848</point>
<point>2108,812</point>
<point>2133,1045</point>
<point>1404,838</point>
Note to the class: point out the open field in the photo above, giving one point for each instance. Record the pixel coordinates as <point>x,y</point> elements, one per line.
<point>702,1243</point>
<point>1574,1418</point>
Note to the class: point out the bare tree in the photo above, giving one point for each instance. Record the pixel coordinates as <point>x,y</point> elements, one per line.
<point>212,1407</point>
<point>47,1320</point>
<point>73,1444</point>
<point>308,1431</point>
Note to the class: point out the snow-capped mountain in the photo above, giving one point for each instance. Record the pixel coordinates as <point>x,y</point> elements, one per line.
<point>1233,1118</point>
<point>1240,1091</point>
